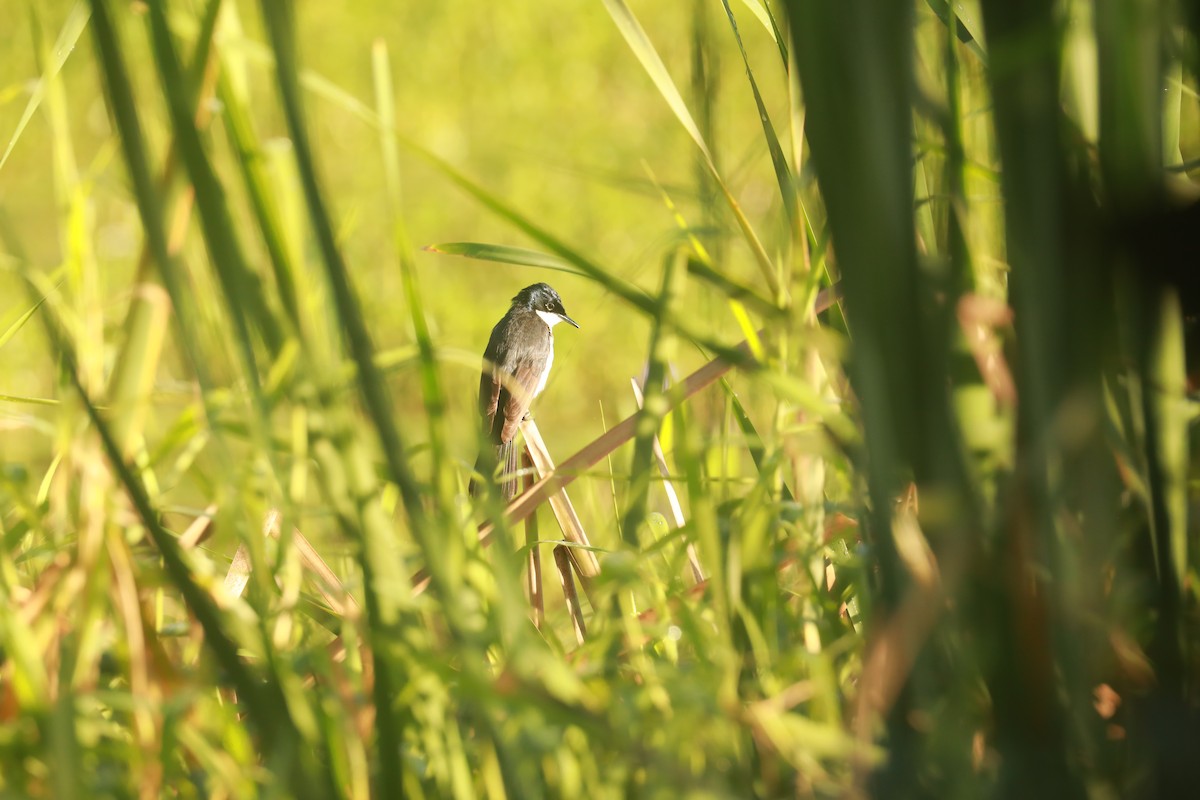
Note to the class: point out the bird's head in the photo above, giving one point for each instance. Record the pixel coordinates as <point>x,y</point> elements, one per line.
<point>543,300</point>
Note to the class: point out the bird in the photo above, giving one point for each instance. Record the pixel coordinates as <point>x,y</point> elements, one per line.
<point>516,365</point>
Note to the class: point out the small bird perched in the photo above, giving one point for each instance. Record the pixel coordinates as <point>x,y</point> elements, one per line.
<point>516,364</point>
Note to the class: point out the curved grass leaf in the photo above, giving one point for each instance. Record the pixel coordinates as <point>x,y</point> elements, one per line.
<point>19,323</point>
<point>783,173</point>
<point>64,45</point>
<point>640,43</point>
<point>504,254</point>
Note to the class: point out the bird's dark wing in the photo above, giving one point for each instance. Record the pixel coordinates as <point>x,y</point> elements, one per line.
<point>519,348</point>
<point>489,395</point>
<point>490,384</point>
<point>516,403</point>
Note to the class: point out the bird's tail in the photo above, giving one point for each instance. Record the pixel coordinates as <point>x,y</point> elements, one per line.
<point>507,482</point>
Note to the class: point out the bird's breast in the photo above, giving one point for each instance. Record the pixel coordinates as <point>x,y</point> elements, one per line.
<point>541,384</point>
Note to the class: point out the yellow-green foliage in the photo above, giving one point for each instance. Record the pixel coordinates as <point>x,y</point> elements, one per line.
<point>250,254</point>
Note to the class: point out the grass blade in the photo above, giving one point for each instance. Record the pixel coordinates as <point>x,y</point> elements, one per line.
<point>783,173</point>
<point>264,703</point>
<point>63,47</point>
<point>640,43</point>
<point>280,26</point>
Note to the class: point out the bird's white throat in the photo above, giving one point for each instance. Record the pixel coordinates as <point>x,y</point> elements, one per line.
<point>549,318</point>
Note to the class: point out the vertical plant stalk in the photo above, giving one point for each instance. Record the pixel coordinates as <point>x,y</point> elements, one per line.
<point>280,24</point>
<point>1031,652</point>
<point>655,407</point>
<point>241,288</point>
<point>854,62</point>
<point>533,574</point>
<point>133,144</point>
<point>1132,73</point>
<point>705,93</point>
<point>660,459</point>
<point>562,560</point>
<point>435,402</point>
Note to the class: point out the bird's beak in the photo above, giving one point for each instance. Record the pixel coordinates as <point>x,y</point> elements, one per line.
<point>565,318</point>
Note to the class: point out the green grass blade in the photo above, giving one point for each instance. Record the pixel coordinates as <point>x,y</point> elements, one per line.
<point>1168,387</point>
<point>684,324</point>
<point>257,182</point>
<point>654,407</point>
<point>435,402</point>
<point>640,43</point>
<point>767,20</point>
<point>63,47</point>
<point>504,254</point>
<point>279,23</point>
<point>132,380</point>
<point>133,144</point>
<point>242,290</point>
<point>11,331</point>
<point>264,703</point>
<point>783,173</point>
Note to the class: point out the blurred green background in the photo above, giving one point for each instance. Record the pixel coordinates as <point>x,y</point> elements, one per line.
<point>944,514</point>
<point>547,109</point>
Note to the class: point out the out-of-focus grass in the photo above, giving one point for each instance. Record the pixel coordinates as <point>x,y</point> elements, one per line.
<point>946,545</point>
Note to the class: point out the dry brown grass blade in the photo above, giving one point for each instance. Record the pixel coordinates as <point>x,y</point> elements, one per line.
<point>199,529</point>
<point>32,604</point>
<point>893,647</point>
<point>328,584</point>
<point>238,575</point>
<point>562,559</point>
<point>982,318</point>
<point>600,447</point>
<point>533,575</point>
<point>564,511</point>
<point>556,480</point>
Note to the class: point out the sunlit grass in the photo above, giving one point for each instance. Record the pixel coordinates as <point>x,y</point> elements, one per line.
<point>899,504</point>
